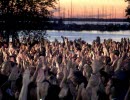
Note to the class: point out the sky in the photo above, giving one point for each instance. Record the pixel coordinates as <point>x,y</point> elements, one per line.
<point>92,8</point>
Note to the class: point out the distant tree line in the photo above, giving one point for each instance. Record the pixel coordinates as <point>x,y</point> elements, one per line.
<point>128,10</point>
<point>24,15</point>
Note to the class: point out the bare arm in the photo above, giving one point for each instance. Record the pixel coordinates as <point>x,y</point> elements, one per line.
<point>33,78</point>
<point>127,97</point>
<point>26,81</point>
<point>23,93</point>
<point>64,78</point>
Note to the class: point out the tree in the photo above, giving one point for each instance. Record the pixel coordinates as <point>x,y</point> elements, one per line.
<point>128,10</point>
<point>24,15</point>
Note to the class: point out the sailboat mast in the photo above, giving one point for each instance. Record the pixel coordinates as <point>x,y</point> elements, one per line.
<point>98,14</point>
<point>63,13</point>
<point>92,12</point>
<point>71,8</point>
<point>106,12</point>
<point>112,12</point>
<point>59,9</point>
<point>115,13</point>
<point>84,12</point>
<point>68,16</point>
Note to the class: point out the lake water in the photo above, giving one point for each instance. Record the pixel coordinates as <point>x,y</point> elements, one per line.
<point>88,36</point>
<point>95,22</point>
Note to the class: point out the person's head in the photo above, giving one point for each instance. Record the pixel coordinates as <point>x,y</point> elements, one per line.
<point>52,79</point>
<point>98,40</point>
<point>78,60</point>
<point>77,78</point>
<point>5,68</point>
<point>107,60</point>
<point>12,58</point>
<point>114,55</point>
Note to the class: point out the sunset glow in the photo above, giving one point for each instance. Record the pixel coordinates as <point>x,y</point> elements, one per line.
<point>92,8</point>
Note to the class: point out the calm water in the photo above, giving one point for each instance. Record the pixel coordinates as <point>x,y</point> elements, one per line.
<point>95,22</point>
<point>88,36</point>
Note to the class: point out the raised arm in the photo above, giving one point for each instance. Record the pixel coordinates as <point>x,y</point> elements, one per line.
<point>26,81</point>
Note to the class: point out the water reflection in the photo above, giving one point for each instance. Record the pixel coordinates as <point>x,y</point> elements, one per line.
<point>88,36</point>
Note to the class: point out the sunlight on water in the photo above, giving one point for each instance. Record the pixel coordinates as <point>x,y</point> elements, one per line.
<point>96,23</point>
<point>88,36</point>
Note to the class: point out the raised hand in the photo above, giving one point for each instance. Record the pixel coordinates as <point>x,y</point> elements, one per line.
<point>119,62</point>
<point>97,64</point>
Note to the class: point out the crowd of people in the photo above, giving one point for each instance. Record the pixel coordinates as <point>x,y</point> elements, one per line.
<point>68,70</point>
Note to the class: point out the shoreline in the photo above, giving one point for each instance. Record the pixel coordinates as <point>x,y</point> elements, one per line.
<point>86,30</point>
<point>88,27</point>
